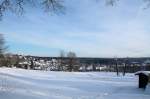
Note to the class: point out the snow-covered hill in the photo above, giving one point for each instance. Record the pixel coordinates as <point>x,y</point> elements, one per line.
<point>29,84</point>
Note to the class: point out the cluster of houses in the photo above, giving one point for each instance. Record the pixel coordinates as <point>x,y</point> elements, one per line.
<point>83,64</point>
<point>39,64</point>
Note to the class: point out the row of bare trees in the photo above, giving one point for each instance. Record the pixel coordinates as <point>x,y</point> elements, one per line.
<point>69,60</point>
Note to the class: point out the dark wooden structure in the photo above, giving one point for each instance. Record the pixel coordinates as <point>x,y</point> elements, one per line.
<point>144,78</point>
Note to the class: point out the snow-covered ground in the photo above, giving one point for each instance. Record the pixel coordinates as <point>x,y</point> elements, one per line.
<point>29,84</point>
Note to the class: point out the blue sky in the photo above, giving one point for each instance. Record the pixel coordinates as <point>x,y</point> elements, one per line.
<point>89,28</point>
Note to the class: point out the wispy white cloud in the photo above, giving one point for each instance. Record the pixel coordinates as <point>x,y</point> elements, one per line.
<point>88,28</point>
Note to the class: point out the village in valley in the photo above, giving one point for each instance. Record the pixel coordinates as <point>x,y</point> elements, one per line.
<point>83,64</point>
<point>74,49</point>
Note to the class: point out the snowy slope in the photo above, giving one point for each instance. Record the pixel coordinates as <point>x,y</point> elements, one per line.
<point>28,84</point>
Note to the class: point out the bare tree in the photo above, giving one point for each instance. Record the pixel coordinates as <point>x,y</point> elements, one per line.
<point>116,66</point>
<point>15,61</point>
<point>125,66</point>
<point>2,45</point>
<point>94,67</point>
<point>114,2</point>
<point>61,60</point>
<point>32,64</point>
<point>3,48</point>
<point>18,6</point>
<point>72,61</point>
<point>111,2</point>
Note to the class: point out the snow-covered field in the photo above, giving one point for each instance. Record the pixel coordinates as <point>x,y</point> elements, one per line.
<point>28,84</point>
